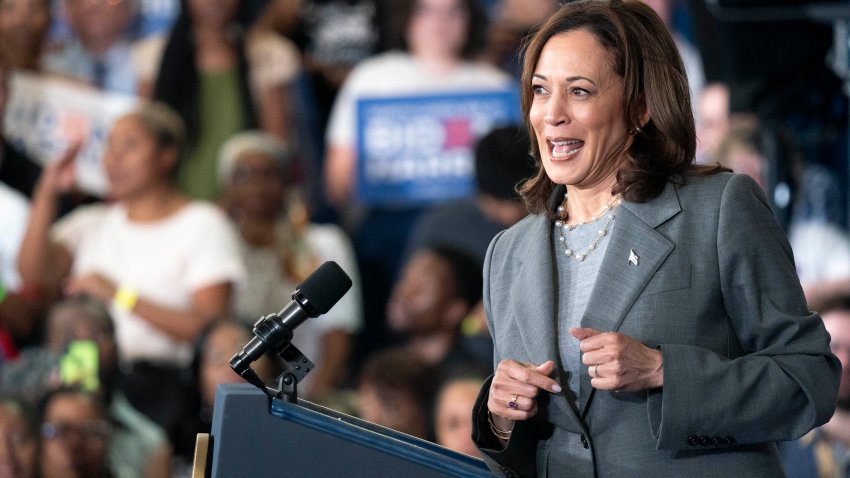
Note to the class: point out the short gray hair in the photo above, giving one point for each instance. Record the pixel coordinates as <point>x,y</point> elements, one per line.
<point>252,141</point>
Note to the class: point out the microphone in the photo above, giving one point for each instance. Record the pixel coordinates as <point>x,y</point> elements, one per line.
<point>312,298</point>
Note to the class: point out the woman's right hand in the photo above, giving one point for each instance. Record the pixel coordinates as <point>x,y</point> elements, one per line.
<point>514,390</point>
<point>60,175</point>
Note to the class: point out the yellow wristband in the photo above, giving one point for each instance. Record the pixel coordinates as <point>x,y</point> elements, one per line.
<point>125,299</point>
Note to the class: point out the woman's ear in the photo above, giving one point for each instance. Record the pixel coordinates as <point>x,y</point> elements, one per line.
<point>644,113</point>
<point>168,161</point>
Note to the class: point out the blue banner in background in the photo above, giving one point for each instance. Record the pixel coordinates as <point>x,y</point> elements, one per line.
<point>415,150</point>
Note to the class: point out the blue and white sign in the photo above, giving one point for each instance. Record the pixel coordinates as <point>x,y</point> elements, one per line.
<point>415,150</point>
<point>45,115</point>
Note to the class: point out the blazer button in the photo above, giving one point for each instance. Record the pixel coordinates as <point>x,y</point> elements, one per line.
<point>717,441</point>
<point>584,441</point>
<point>704,440</point>
<point>728,440</point>
<point>693,440</point>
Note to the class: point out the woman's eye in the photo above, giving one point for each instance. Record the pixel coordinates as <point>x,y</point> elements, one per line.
<point>538,89</point>
<point>579,92</point>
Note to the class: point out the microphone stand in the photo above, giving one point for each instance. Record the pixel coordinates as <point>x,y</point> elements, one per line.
<point>296,366</point>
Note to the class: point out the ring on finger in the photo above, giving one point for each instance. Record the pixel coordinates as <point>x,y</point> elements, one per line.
<point>512,404</point>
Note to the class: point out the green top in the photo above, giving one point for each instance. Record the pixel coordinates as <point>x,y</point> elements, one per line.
<point>221,116</point>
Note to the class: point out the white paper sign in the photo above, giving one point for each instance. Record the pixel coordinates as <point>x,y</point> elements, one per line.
<point>44,115</point>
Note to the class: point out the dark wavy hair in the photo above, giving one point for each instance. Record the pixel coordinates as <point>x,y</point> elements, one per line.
<point>400,14</point>
<point>177,82</point>
<point>644,55</point>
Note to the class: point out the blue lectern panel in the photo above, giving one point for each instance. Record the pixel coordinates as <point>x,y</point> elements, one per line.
<point>250,438</point>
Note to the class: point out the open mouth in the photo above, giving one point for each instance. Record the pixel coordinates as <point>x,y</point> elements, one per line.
<point>564,149</point>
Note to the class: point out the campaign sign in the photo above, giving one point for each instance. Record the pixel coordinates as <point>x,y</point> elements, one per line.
<point>45,115</point>
<point>414,150</point>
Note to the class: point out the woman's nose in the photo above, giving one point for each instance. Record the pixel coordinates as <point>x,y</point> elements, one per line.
<point>556,111</point>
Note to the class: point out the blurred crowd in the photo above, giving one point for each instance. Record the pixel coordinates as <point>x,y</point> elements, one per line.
<point>231,171</point>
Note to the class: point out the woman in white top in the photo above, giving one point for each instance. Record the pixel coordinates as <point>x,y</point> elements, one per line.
<point>164,264</point>
<point>434,42</point>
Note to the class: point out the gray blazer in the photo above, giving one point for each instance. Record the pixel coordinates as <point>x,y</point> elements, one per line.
<point>745,363</point>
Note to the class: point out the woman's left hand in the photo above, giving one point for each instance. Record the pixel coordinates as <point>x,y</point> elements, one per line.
<point>94,285</point>
<point>618,362</point>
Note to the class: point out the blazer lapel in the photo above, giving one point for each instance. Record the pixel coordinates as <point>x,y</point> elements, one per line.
<point>534,298</point>
<point>634,253</point>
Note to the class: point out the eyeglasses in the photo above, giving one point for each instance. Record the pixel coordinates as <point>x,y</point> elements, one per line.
<point>243,174</point>
<point>92,430</point>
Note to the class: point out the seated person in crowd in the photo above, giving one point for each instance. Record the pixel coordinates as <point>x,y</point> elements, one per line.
<point>396,391</point>
<point>137,446</point>
<point>165,265</point>
<point>712,117</point>
<point>281,247</point>
<point>75,431</point>
<point>821,274</point>
<point>23,32</point>
<point>453,409</point>
<point>501,163</point>
<point>18,440</point>
<point>97,53</point>
<point>825,451</point>
<point>211,367</point>
<point>438,288</point>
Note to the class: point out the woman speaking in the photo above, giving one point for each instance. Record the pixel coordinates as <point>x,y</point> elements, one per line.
<point>646,317</point>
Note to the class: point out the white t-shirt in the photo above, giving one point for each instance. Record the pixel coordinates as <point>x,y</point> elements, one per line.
<point>14,213</point>
<point>165,261</point>
<point>821,252</point>
<point>268,291</point>
<point>395,73</point>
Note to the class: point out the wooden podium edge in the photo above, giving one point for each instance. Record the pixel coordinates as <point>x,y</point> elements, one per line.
<point>199,464</point>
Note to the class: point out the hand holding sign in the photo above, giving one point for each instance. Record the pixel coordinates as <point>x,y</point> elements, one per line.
<point>60,176</point>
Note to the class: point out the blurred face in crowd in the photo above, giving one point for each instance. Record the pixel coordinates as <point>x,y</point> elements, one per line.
<point>23,28</point>
<point>837,323</point>
<point>18,444</point>
<point>394,409</point>
<point>745,160</point>
<point>577,110</point>
<point>423,300</point>
<point>452,423</point>
<point>69,322</point>
<point>257,185</point>
<point>438,28</point>
<point>712,120</point>
<point>75,435</point>
<point>100,23</point>
<point>133,160</point>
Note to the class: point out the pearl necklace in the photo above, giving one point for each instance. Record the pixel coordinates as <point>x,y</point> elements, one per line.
<point>562,226</point>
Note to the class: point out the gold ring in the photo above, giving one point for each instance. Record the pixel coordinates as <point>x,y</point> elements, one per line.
<point>593,374</point>
<point>512,404</point>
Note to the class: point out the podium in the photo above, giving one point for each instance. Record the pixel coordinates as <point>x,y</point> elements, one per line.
<point>255,436</point>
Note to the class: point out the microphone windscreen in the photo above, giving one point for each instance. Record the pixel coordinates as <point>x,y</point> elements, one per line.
<point>324,287</point>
